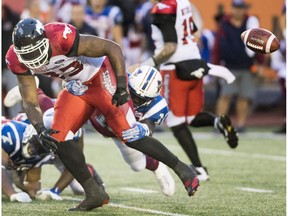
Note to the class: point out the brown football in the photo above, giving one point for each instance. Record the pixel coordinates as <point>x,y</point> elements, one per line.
<point>260,40</point>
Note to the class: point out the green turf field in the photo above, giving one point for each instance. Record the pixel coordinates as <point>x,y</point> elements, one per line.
<point>250,180</point>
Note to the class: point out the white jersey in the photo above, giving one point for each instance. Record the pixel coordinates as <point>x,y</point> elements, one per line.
<point>180,13</point>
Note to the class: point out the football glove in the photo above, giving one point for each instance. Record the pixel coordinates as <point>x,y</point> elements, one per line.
<point>120,97</point>
<point>48,142</point>
<point>48,195</point>
<point>20,197</point>
<point>138,131</point>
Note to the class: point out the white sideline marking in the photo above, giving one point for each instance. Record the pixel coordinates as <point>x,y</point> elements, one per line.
<point>130,207</point>
<point>242,154</point>
<point>138,190</point>
<point>255,190</point>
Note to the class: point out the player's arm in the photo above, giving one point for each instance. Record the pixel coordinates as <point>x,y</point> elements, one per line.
<point>166,24</point>
<point>32,181</point>
<point>7,187</point>
<point>94,46</point>
<point>28,90</point>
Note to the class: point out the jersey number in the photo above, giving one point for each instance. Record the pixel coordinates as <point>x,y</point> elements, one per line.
<point>70,70</point>
<point>188,29</point>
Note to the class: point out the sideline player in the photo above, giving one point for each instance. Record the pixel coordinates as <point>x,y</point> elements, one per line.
<point>183,69</point>
<point>58,50</point>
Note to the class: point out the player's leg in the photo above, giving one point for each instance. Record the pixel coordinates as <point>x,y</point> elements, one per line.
<point>71,112</point>
<point>138,161</point>
<point>176,93</point>
<point>120,120</point>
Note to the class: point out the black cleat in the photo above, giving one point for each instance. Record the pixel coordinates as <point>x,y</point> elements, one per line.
<point>228,131</point>
<point>188,176</point>
<point>95,197</point>
<point>90,203</point>
<point>191,186</point>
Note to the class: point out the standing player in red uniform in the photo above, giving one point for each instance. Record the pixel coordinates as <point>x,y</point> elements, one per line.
<point>58,50</point>
<point>182,69</point>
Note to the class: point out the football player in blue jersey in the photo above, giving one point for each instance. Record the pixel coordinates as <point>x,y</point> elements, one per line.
<point>23,153</point>
<point>21,149</point>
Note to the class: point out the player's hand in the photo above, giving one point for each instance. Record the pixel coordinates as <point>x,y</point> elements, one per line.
<point>120,97</point>
<point>20,197</point>
<point>48,142</point>
<point>47,195</point>
<point>138,131</point>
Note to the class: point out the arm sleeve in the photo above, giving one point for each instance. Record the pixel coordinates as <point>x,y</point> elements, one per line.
<point>166,24</point>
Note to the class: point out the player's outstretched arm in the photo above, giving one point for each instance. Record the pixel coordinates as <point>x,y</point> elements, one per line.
<point>7,187</point>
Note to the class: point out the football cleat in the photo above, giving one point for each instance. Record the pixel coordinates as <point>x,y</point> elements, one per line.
<point>228,131</point>
<point>13,96</point>
<point>188,176</point>
<point>165,179</point>
<point>191,185</point>
<point>202,173</point>
<point>91,202</point>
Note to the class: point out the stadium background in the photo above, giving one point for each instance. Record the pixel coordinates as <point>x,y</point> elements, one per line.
<point>269,108</point>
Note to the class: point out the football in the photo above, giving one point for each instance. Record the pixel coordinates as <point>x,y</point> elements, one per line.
<point>260,40</point>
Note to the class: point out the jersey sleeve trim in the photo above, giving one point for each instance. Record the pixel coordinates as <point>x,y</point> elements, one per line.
<point>74,49</point>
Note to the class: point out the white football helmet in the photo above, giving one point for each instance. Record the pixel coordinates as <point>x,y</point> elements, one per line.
<point>145,84</point>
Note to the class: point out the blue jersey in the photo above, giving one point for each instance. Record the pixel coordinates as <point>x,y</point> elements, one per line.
<point>12,134</point>
<point>156,111</point>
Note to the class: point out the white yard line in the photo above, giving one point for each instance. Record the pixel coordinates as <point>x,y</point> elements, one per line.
<point>242,154</point>
<point>130,207</point>
<point>254,190</point>
<point>138,190</point>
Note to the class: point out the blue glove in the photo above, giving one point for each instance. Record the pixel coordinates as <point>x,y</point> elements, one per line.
<point>138,131</point>
<point>75,87</point>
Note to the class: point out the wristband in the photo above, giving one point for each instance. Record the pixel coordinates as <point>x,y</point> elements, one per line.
<point>121,81</point>
<point>55,190</point>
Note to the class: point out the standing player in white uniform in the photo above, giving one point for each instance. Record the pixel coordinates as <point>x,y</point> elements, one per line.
<point>58,50</point>
<point>182,69</point>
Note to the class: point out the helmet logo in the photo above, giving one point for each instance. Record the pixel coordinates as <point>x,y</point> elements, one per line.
<point>66,31</point>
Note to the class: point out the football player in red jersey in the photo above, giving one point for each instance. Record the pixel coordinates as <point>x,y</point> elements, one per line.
<point>182,69</point>
<point>58,50</point>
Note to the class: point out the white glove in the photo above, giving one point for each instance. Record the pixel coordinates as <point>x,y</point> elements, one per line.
<point>47,195</point>
<point>20,197</point>
<point>138,131</point>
